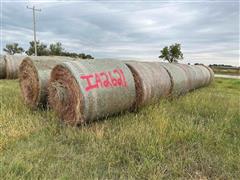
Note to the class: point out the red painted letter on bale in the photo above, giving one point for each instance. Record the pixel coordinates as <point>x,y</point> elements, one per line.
<point>123,78</point>
<point>90,86</point>
<point>98,80</point>
<point>119,80</point>
<point>113,80</point>
<point>106,82</point>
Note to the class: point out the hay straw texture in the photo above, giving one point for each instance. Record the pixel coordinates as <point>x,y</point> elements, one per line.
<point>204,75</point>
<point>12,64</point>
<point>2,67</point>
<point>81,92</point>
<point>188,77</point>
<point>34,74</point>
<point>192,76</point>
<point>196,76</point>
<point>211,73</point>
<point>152,82</point>
<point>179,78</point>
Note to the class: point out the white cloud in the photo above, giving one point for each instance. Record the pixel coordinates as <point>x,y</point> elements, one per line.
<point>209,32</point>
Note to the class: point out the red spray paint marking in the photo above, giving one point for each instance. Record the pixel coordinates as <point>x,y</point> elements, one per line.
<point>90,85</point>
<point>105,79</point>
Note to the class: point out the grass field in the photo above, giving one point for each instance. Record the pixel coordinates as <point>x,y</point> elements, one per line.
<point>193,136</point>
<point>218,70</point>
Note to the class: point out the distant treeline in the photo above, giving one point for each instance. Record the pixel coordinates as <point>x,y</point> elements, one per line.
<point>54,49</point>
<point>223,66</point>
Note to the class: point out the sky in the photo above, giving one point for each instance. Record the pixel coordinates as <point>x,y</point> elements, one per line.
<point>208,31</point>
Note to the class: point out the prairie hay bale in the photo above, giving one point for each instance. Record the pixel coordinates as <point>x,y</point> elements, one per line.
<point>189,78</point>
<point>198,76</point>
<point>206,75</point>
<point>211,73</point>
<point>179,78</point>
<point>152,82</point>
<point>2,67</point>
<point>12,64</point>
<point>83,91</point>
<point>34,74</point>
<point>191,75</point>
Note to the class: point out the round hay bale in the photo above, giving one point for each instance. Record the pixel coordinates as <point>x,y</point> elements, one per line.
<point>206,78</point>
<point>211,73</point>
<point>83,91</point>
<point>2,67</point>
<point>179,78</point>
<point>191,76</point>
<point>197,75</point>
<point>152,82</point>
<point>200,77</point>
<point>34,74</point>
<point>12,64</point>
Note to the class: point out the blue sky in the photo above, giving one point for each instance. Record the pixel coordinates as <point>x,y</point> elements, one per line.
<point>207,30</point>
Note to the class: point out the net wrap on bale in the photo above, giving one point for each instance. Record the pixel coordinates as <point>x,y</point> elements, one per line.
<point>204,75</point>
<point>152,82</point>
<point>12,64</point>
<point>210,71</point>
<point>197,76</point>
<point>34,75</point>
<point>2,67</point>
<point>191,75</point>
<point>188,77</point>
<point>179,78</point>
<point>84,91</point>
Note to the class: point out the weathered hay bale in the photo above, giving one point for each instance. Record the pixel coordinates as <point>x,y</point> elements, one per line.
<point>192,77</point>
<point>199,79</point>
<point>211,73</point>
<point>34,74</point>
<point>12,64</point>
<point>179,78</point>
<point>2,67</point>
<point>152,82</point>
<point>198,76</point>
<point>206,75</point>
<point>84,91</point>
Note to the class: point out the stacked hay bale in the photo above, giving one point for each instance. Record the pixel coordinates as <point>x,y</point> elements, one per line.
<point>34,74</point>
<point>152,82</point>
<point>81,92</point>
<point>2,67</point>
<point>197,76</point>
<point>188,77</point>
<point>12,64</point>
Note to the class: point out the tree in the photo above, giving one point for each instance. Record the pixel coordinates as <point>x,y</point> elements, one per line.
<point>75,55</point>
<point>84,56</point>
<point>56,49</point>
<point>13,49</point>
<point>172,53</point>
<point>42,49</point>
<point>88,56</point>
<point>70,54</point>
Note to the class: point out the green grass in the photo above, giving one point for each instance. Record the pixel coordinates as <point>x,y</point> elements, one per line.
<point>193,136</point>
